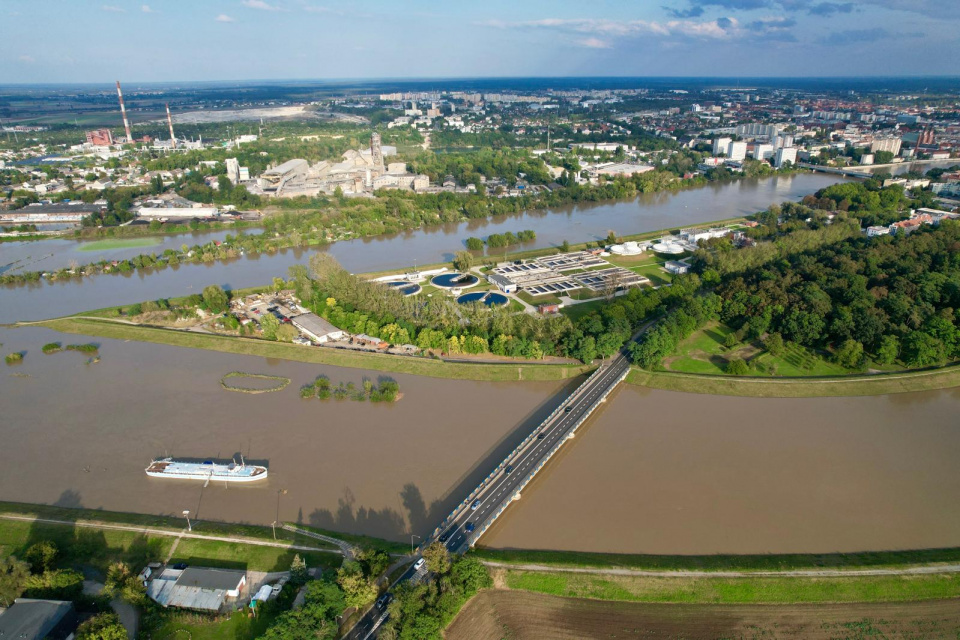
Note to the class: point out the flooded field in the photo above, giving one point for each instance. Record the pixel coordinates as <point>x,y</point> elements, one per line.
<point>78,434</point>
<point>668,473</point>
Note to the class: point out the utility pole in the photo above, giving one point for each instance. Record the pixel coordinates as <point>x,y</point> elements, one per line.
<point>186,514</point>
<point>412,536</point>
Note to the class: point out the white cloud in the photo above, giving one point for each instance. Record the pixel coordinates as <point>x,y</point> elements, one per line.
<point>146,9</point>
<point>260,4</point>
<point>712,29</point>
<point>112,8</point>
<point>224,18</point>
<point>594,43</point>
<point>27,59</point>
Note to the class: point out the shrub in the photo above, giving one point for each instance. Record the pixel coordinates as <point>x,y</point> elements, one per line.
<point>52,347</point>
<point>737,367</point>
<point>14,358</point>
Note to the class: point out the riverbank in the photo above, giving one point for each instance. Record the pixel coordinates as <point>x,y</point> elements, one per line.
<point>852,385</point>
<point>414,365</point>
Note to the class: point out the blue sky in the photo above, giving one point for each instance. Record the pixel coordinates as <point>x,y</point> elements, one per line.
<point>186,40</point>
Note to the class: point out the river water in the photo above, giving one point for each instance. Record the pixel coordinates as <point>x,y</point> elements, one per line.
<point>429,245</point>
<point>78,434</point>
<point>669,473</point>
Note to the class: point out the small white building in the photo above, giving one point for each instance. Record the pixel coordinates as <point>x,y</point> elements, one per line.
<point>503,283</point>
<point>675,267</point>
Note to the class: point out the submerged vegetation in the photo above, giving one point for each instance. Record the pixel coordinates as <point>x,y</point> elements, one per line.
<point>14,358</point>
<point>386,391</point>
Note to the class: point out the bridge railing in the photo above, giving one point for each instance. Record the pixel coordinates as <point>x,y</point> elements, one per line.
<point>483,484</point>
<point>543,461</point>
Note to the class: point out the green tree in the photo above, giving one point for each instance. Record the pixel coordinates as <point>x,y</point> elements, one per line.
<point>298,571</point>
<point>564,246</point>
<point>889,349</point>
<point>774,344</point>
<point>474,244</point>
<point>135,309</point>
<point>105,626</point>
<point>13,577</point>
<point>462,261</point>
<point>41,556</point>
<point>849,354</point>
<point>269,325</point>
<point>215,299</point>
<point>922,350</point>
<point>437,557</point>
<point>357,590</point>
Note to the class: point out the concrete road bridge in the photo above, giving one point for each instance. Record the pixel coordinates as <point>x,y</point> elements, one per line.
<point>461,529</point>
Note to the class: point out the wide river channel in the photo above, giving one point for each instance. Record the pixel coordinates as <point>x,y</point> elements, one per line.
<point>429,245</point>
<point>653,472</point>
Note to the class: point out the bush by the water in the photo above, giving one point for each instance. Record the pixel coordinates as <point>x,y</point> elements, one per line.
<point>14,358</point>
<point>83,348</point>
<point>52,347</point>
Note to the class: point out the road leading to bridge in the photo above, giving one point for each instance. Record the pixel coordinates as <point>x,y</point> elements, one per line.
<point>464,526</point>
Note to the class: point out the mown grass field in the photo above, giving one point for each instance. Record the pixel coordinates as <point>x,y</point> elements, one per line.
<point>193,626</point>
<point>765,590</point>
<point>337,357</point>
<point>704,352</point>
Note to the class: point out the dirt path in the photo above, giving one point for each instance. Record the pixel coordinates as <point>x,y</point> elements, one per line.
<point>792,573</point>
<point>522,615</point>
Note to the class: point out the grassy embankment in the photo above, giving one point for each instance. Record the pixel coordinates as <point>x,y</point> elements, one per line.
<point>721,562</point>
<point>101,546</point>
<point>317,355</point>
<point>760,590</point>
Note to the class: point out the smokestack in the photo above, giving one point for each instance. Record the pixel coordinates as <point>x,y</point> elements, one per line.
<point>123,112</point>
<point>173,139</point>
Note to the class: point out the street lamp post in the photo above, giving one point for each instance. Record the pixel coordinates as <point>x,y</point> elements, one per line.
<point>186,514</point>
<point>412,536</point>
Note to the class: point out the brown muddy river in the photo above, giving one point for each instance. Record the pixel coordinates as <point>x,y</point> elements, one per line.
<point>78,434</point>
<point>669,473</point>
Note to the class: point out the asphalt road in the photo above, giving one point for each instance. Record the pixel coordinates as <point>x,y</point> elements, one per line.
<point>486,505</point>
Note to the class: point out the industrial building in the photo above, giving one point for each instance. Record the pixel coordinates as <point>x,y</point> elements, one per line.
<point>317,328</point>
<point>561,273</point>
<point>29,619</point>
<point>196,588</point>
<point>100,137</point>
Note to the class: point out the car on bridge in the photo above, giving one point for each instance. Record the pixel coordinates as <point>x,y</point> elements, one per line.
<point>476,503</point>
<point>508,469</point>
<point>469,527</point>
<point>541,436</point>
<point>444,536</point>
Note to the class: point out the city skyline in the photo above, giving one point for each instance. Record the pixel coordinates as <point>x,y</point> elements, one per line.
<point>228,40</point>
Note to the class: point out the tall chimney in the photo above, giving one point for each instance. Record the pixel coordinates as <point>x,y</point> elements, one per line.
<point>173,139</point>
<point>123,112</point>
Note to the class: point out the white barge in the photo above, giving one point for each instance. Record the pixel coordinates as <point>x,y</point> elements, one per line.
<point>206,471</point>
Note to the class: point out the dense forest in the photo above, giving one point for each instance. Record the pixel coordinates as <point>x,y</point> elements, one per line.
<point>889,297</point>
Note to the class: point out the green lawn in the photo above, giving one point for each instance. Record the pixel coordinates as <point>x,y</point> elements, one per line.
<point>577,311</point>
<point>704,352</point>
<point>228,555</point>
<point>118,243</point>
<point>182,625</point>
<point>537,300</point>
<point>77,545</point>
<point>759,590</point>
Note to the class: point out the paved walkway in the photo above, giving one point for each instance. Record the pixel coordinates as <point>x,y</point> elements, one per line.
<point>177,533</point>
<point>788,573</point>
